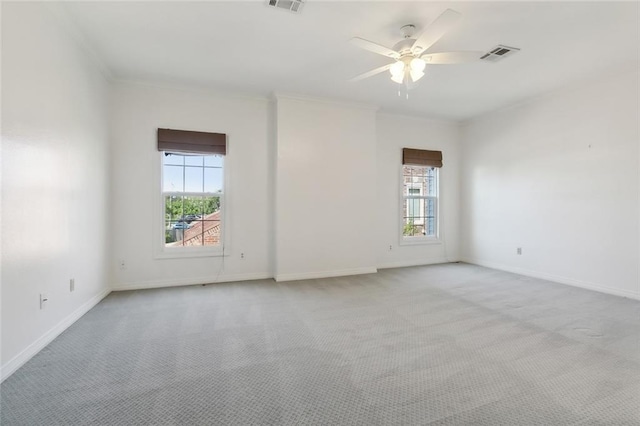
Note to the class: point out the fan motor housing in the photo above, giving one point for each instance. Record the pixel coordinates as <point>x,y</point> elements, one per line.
<point>404,47</point>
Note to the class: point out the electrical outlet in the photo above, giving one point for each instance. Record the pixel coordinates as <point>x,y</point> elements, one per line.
<point>123,264</point>
<point>43,300</point>
<point>519,250</point>
<point>241,255</point>
<point>72,284</point>
<point>390,247</point>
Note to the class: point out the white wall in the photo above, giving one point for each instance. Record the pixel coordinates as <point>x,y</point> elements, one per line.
<point>325,189</point>
<point>313,186</point>
<point>302,194</point>
<point>137,111</point>
<point>557,176</point>
<point>395,132</point>
<point>54,180</point>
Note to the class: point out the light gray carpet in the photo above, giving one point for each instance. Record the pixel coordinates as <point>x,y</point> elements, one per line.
<point>445,345</point>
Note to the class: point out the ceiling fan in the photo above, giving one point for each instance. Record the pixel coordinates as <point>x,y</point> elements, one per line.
<point>410,54</point>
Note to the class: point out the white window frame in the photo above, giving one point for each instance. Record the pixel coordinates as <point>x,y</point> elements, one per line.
<point>160,249</point>
<point>420,239</point>
<point>414,197</point>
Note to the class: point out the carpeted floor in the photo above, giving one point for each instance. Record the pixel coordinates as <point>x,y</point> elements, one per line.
<point>448,344</point>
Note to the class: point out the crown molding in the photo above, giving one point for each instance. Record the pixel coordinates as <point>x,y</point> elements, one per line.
<point>327,101</point>
<point>201,90</point>
<point>64,20</point>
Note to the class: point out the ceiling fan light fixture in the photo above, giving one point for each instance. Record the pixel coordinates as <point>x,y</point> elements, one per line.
<point>416,75</point>
<point>397,68</point>
<point>409,66</point>
<point>416,69</point>
<point>417,64</point>
<point>398,78</point>
<point>397,71</point>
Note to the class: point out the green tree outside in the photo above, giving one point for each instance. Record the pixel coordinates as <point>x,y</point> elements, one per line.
<point>177,207</point>
<point>409,228</point>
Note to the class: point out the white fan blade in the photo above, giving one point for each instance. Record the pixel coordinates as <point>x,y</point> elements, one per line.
<point>451,57</point>
<point>374,47</point>
<point>371,73</point>
<point>433,32</point>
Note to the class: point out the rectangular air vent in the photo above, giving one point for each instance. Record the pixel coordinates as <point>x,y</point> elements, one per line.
<point>290,5</point>
<point>498,53</point>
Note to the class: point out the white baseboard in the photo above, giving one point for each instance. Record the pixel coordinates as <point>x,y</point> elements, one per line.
<point>141,285</point>
<point>19,360</point>
<point>414,262</point>
<point>325,274</point>
<point>555,278</point>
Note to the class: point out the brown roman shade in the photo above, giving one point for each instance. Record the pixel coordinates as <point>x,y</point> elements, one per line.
<point>189,141</point>
<point>421,157</point>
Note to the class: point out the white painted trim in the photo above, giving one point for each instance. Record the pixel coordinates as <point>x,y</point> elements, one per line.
<point>413,262</point>
<point>217,92</point>
<point>160,251</point>
<point>19,360</point>
<point>411,115</point>
<point>60,13</point>
<point>188,253</point>
<point>555,278</point>
<point>419,241</point>
<point>423,240</point>
<point>325,274</point>
<point>327,101</point>
<point>141,285</point>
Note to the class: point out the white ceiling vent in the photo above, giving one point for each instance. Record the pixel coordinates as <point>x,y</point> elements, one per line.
<point>498,53</point>
<point>290,5</point>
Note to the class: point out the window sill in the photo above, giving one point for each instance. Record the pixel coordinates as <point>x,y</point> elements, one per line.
<point>188,254</point>
<point>419,241</point>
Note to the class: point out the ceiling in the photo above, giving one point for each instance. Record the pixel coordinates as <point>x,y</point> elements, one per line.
<point>250,48</point>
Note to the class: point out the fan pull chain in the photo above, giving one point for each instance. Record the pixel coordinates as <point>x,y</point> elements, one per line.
<point>406,93</point>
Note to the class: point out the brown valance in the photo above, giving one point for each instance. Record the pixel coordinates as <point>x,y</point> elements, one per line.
<point>189,141</point>
<point>421,157</point>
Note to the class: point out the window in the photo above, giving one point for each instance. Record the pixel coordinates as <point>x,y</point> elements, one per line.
<point>420,172</point>
<point>192,193</point>
<point>420,202</point>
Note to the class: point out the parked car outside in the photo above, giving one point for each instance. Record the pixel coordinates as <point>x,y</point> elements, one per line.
<point>180,225</point>
<point>190,218</point>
